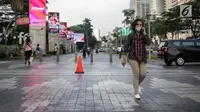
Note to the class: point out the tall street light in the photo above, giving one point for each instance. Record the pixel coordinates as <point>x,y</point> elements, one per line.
<point>149,32</point>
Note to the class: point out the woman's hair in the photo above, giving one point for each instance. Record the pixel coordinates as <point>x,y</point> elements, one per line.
<point>135,23</point>
<point>28,40</point>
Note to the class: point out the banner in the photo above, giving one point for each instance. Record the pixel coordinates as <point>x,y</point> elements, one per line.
<point>37,12</point>
<point>53,19</point>
<point>70,36</point>
<point>79,37</point>
<point>22,21</point>
<point>63,29</point>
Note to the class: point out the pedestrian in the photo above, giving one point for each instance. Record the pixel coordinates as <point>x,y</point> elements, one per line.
<point>137,54</point>
<point>39,52</point>
<point>28,50</point>
<point>55,49</point>
<point>84,52</point>
<point>88,51</point>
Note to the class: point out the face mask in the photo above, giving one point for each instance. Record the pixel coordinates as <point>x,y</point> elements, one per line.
<point>138,28</point>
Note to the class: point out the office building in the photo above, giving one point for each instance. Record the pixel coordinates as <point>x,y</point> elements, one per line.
<point>157,7</point>
<point>141,7</point>
<point>133,5</point>
<point>179,2</point>
<point>97,34</point>
<point>168,5</point>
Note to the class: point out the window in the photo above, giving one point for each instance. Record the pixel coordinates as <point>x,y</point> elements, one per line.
<point>162,44</point>
<point>198,44</point>
<point>177,43</point>
<point>188,44</point>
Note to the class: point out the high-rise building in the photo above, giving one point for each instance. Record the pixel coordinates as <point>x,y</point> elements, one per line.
<point>141,7</point>
<point>168,5</point>
<point>179,2</point>
<point>145,7</point>
<point>97,34</point>
<point>133,5</point>
<point>157,7</point>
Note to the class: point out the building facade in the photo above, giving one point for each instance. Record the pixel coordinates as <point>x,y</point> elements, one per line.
<point>133,5</point>
<point>141,7</point>
<point>157,7</point>
<point>179,2</point>
<point>97,34</point>
<point>168,5</point>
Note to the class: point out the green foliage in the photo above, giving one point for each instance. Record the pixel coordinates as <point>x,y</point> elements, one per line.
<point>129,16</point>
<point>77,28</point>
<point>172,22</point>
<point>12,49</point>
<point>88,31</point>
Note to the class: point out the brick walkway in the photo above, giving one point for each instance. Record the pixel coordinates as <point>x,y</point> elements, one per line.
<point>104,87</point>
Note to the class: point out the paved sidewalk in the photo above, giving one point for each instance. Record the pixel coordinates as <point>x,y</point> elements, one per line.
<point>104,87</point>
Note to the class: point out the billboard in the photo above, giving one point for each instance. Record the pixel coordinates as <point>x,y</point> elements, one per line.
<point>53,19</point>
<point>79,37</point>
<point>63,29</point>
<point>70,36</point>
<point>37,12</point>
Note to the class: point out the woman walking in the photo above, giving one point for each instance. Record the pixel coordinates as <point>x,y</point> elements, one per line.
<point>28,50</point>
<point>137,55</point>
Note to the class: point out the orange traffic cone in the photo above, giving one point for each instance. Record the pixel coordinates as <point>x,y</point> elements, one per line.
<point>79,68</point>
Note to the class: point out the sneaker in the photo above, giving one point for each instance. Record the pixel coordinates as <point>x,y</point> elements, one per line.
<point>137,97</point>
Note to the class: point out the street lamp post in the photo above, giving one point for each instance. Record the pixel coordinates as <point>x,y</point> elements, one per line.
<point>149,32</point>
<point>58,49</point>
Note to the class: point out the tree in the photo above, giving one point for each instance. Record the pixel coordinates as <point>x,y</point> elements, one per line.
<point>116,34</point>
<point>129,16</point>
<point>88,30</point>
<point>17,5</point>
<point>178,23</point>
<point>77,28</point>
<point>159,28</point>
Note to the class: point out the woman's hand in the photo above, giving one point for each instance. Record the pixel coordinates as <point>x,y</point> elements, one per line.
<point>123,61</point>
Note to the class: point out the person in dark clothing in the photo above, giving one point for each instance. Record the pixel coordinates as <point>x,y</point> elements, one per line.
<point>28,50</point>
<point>137,54</point>
<point>84,52</point>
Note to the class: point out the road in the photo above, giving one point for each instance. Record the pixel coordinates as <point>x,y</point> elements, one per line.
<point>104,87</point>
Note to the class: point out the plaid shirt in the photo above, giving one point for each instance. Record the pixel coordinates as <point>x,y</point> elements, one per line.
<point>139,49</point>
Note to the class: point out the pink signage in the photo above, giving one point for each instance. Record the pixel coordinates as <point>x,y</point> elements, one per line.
<point>37,12</point>
<point>63,29</point>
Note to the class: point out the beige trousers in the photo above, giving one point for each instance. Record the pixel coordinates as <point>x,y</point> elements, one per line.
<point>139,70</point>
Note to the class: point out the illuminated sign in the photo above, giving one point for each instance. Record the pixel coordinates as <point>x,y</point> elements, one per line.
<point>37,12</point>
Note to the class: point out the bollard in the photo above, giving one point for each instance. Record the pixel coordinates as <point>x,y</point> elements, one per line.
<point>22,54</point>
<point>120,55</point>
<point>111,57</point>
<point>76,57</point>
<point>149,52</point>
<point>91,57</point>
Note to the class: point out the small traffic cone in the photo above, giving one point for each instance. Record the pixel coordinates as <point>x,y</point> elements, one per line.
<point>79,68</point>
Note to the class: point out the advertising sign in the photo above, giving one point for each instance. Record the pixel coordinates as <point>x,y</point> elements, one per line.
<point>70,36</point>
<point>63,29</point>
<point>186,10</point>
<point>22,21</point>
<point>37,12</point>
<point>79,37</point>
<point>53,22</point>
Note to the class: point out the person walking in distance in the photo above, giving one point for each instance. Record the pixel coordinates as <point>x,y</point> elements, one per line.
<point>28,50</point>
<point>39,52</point>
<point>137,54</point>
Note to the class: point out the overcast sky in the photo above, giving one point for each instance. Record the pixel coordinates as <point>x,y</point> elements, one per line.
<point>105,14</point>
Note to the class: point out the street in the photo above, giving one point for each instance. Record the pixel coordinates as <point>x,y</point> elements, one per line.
<point>104,87</point>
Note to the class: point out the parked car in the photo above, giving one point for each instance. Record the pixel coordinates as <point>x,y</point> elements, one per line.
<point>179,51</point>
